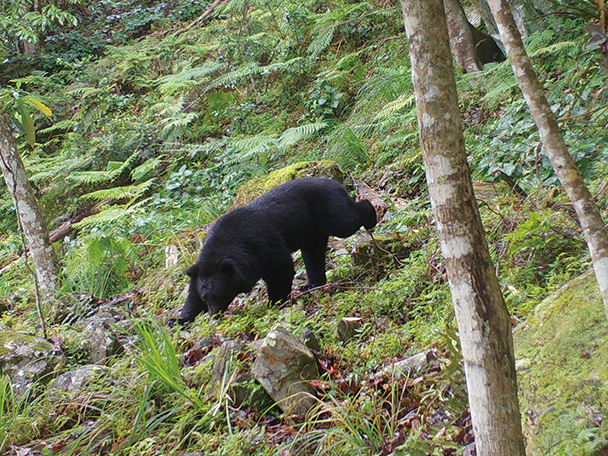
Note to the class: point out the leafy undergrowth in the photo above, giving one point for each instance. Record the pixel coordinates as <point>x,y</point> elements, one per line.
<point>160,395</point>
<point>155,129</point>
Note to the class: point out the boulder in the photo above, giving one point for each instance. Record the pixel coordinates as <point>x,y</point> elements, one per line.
<point>285,367</point>
<point>71,382</point>
<point>561,356</point>
<point>99,340</point>
<point>26,358</point>
<point>257,187</point>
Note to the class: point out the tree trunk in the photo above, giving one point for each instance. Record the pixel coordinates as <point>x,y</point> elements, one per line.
<point>483,320</point>
<point>486,15</point>
<point>519,12</point>
<point>555,147</point>
<point>30,216</point>
<point>461,38</point>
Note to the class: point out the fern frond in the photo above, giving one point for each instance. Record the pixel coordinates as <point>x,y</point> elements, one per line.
<point>112,171</point>
<point>145,168</point>
<point>347,149</point>
<point>106,216</point>
<point>177,126</point>
<point>248,148</point>
<point>505,86</point>
<point>295,134</point>
<point>61,125</point>
<point>188,77</point>
<point>231,78</point>
<point>253,142</point>
<point>391,108</point>
<point>251,69</point>
<point>120,193</point>
<point>554,48</point>
<point>92,177</point>
<point>321,41</point>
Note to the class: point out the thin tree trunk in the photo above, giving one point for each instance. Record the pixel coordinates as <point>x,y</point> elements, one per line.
<point>520,15</point>
<point>486,15</point>
<point>555,147</point>
<point>483,320</point>
<point>461,38</point>
<point>29,213</point>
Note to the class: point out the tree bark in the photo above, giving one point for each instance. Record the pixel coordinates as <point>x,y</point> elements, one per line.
<point>486,15</point>
<point>554,145</point>
<point>461,38</point>
<point>30,216</point>
<point>483,320</point>
<point>520,15</point>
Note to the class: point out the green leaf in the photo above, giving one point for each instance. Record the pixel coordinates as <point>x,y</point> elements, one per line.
<point>44,109</point>
<point>27,123</point>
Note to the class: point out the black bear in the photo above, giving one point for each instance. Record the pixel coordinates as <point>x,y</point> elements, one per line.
<point>255,242</point>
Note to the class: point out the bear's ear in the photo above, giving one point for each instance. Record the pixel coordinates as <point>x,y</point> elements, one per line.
<point>226,265</point>
<point>192,271</point>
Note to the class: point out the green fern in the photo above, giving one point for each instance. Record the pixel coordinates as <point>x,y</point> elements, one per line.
<point>120,193</point>
<point>404,100</point>
<point>146,168</point>
<point>188,77</point>
<point>553,48</point>
<point>295,134</point>
<point>347,149</point>
<point>112,172</point>
<point>249,70</point>
<point>321,41</point>
<point>105,217</point>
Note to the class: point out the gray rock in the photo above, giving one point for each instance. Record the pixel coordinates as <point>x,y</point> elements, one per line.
<point>72,381</point>
<point>26,359</point>
<point>347,327</point>
<point>99,340</point>
<point>285,367</point>
<point>412,364</point>
<point>309,339</point>
<point>237,382</point>
<point>222,355</point>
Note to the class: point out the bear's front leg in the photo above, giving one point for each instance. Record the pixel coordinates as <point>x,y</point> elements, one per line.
<point>279,277</point>
<point>314,260</point>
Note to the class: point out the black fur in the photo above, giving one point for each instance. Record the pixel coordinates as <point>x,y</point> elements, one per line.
<point>255,242</point>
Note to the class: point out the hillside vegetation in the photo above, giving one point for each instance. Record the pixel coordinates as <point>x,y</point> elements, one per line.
<point>161,112</point>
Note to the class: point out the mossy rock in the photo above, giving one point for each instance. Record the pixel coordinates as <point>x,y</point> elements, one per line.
<point>562,366</point>
<point>257,187</point>
<point>26,359</point>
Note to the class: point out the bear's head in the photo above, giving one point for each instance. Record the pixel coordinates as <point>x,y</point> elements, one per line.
<point>212,288</point>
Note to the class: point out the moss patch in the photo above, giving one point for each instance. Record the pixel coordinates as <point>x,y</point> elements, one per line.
<point>562,360</point>
<point>257,187</point>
